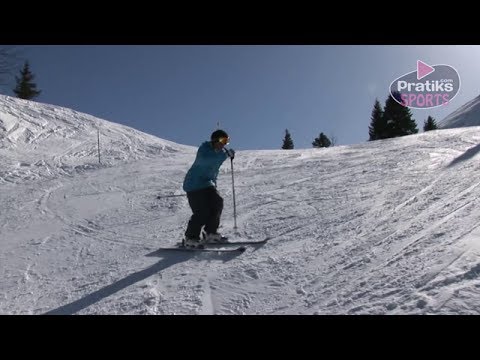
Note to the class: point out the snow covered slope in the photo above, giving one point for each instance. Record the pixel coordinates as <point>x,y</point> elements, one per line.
<point>466,115</point>
<point>384,227</point>
<point>39,140</point>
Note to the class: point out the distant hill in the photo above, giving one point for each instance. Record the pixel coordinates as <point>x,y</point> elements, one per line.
<point>38,138</point>
<point>466,115</point>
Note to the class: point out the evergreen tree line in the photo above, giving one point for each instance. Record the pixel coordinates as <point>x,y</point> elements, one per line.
<point>392,120</point>
<point>321,141</point>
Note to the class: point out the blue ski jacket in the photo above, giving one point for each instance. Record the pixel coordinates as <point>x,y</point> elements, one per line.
<point>204,170</point>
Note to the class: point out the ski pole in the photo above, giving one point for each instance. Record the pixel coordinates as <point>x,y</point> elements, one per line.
<point>234,205</point>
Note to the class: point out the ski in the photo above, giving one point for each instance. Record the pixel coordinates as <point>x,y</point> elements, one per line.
<point>225,241</point>
<point>238,242</point>
<point>205,249</point>
<point>214,247</point>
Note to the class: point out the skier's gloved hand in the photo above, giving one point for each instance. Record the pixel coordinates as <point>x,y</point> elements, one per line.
<point>230,153</point>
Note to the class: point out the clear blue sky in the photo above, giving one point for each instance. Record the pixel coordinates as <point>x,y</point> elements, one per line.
<point>179,93</point>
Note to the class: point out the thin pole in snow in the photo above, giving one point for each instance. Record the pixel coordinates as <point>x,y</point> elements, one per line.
<point>234,204</point>
<point>98,137</point>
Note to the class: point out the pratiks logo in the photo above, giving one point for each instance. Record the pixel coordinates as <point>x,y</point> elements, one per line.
<point>427,87</point>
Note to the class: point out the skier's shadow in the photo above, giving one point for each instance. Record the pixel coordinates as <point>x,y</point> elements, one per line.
<point>470,153</point>
<point>168,260</point>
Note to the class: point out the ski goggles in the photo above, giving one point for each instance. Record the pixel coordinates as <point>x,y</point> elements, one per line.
<point>224,140</point>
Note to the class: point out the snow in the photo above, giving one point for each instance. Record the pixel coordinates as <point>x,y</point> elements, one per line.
<point>466,115</point>
<point>384,227</point>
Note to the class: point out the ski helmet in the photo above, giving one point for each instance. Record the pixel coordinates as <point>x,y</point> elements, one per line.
<point>217,134</point>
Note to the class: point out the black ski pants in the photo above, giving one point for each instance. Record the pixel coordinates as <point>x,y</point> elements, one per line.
<point>207,207</point>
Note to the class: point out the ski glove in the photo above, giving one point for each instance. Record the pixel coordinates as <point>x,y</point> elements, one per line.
<point>230,153</point>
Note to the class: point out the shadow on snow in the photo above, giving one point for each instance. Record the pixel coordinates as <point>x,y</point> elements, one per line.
<point>166,262</point>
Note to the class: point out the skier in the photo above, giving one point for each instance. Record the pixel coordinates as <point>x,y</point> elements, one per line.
<point>200,184</point>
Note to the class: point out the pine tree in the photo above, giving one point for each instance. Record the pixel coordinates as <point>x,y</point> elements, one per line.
<point>430,124</point>
<point>398,118</point>
<point>26,88</point>
<point>377,128</point>
<point>287,141</point>
<point>321,141</point>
